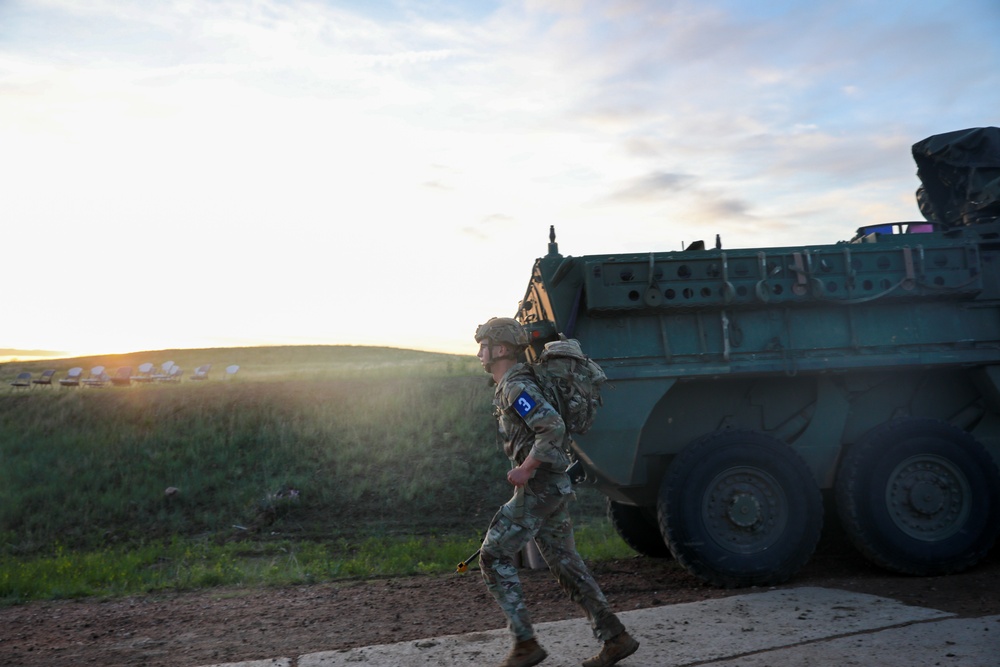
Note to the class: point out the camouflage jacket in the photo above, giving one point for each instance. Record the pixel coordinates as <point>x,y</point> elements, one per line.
<point>527,423</point>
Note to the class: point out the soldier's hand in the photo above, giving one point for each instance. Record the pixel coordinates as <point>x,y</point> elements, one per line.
<point>519,476</point>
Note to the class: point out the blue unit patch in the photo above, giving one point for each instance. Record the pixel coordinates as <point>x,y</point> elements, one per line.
<point>524,404</point>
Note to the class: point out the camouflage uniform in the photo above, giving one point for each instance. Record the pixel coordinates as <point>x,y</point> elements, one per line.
<point>539,510</point>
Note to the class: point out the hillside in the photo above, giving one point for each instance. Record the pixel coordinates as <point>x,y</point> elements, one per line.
<point>315,441</point>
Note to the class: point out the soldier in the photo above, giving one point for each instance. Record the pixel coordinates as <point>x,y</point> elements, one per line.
<point>536,441</point>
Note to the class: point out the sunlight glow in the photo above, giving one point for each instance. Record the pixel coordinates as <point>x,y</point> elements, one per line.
<point>226,174</point>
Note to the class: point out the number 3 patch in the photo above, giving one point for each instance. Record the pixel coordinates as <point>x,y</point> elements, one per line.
<point>524,404</point>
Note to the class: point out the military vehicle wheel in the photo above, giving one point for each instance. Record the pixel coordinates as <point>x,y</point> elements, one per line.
<point>919,496</point>
<point>639,528</point>
<point>740,508</point>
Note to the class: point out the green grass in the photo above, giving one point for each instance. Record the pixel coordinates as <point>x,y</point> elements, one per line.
<point>186,564</point>
<point>313,463</point>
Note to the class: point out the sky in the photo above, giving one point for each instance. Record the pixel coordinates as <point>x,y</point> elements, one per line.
<point>198,173</point>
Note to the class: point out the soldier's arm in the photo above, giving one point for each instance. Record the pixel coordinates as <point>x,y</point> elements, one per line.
<point>544,421</point>
<point>520,475</point>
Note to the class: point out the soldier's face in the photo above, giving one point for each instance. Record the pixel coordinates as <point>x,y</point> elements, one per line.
<point>484,355</point>
<point>487,354</point>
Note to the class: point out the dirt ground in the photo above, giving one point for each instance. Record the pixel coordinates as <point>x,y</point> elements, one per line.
<point>227,625</point>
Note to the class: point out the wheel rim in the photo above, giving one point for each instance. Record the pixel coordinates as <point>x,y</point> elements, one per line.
<point>742,509</point>
<point>928,497</point>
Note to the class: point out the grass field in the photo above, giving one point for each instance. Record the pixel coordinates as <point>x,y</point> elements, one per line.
<point>311,463</point>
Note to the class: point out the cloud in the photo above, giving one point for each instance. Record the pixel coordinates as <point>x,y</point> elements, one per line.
<point>327,142</point>
<point>655,185</point>
<point>724,209</point>
<point>493,227</point>
<point>718,76</point>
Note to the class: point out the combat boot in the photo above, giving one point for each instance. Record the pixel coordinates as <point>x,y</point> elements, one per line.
<point>617,648</point>
<point>525,654</point>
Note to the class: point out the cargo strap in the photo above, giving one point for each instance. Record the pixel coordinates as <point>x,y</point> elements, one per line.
<point>519,502</point>
<point>909,282</point>
<point>801,277</point>
<point>519,498</point>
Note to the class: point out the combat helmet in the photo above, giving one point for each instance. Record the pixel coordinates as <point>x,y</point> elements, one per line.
<point>503,330</point>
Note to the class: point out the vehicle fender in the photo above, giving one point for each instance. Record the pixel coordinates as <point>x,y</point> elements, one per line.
<point>611,446</point>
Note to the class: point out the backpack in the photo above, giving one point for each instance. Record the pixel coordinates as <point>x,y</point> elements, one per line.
<point>570,381</point>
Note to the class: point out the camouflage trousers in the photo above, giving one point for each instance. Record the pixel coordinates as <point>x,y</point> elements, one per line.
<point>541,511</point>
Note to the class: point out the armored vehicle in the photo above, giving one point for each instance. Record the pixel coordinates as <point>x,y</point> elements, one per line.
<point>751,389</point>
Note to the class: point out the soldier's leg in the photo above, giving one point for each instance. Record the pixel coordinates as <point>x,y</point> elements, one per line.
<point>503,540</point>
<point>556,543</point>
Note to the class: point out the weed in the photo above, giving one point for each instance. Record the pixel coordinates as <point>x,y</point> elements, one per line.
<point>318,463</point>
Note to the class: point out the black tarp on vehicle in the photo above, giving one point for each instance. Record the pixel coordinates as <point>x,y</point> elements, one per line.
<point>960,172</point>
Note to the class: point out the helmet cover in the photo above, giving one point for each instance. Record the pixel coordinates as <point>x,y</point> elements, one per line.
<point>503,330</point>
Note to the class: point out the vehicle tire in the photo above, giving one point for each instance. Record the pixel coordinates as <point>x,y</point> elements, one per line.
<point>638,527</point>
<point>740,508</point>
<point>919,496</point>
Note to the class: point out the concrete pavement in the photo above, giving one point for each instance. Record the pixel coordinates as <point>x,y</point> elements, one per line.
<point>802,627</point>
